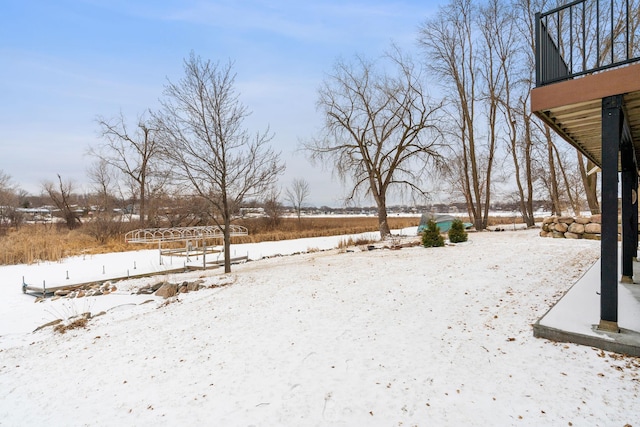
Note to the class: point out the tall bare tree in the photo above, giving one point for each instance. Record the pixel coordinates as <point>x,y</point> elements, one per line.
<point>527,141</point>
<point>496,56</point>
<point>203,137</point>
<point>450,44</point>
<point>510,40</point>
<point>297,194</point>
<point>61,198</point>
<point>132,152</point>
<point>380,129</point>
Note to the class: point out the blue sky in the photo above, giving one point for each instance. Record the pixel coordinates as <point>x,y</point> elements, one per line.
<point>65,62</point>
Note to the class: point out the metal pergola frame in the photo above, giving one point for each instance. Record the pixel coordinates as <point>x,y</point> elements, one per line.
<point>183,234</point>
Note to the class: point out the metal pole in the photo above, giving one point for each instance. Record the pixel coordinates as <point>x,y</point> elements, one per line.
<point>570,40</point>
<point>597,33</point>
<point>611,135</point>
<point>538,48</point>
<point>612,44</point>
<point>627,41</point>
<point>584,39</point>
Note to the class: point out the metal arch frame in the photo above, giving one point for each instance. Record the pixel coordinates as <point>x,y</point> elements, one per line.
<point>183,234</point>
<point>178,234</point>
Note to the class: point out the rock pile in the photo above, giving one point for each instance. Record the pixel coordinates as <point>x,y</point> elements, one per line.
<point>161,289</point>
<point>93,289</point>
<point>168,290</point>
<point>567,227</point>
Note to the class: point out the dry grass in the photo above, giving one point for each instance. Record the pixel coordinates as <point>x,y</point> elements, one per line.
<point>350,242</point>
<point>77,323</point>
<point>33,243</point>
<point>261,230</point>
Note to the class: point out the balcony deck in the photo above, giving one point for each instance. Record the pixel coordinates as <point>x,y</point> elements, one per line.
<point>588,91</point>
<point>573,108</point>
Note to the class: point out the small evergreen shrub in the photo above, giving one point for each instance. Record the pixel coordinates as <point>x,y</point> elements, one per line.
<point>431,237</point>
<point>457,233</point>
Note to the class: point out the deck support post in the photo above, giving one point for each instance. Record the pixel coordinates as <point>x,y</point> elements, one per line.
<point>634,213</point>
<point>612,120</point>
<point>629,204</point>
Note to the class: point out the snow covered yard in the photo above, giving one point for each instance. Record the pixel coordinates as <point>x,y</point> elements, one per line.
<point>387,337</point>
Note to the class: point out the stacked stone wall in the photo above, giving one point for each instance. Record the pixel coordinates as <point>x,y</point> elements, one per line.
<point>568,227</point>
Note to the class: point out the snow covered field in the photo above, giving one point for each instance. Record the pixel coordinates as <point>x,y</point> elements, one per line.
<point>386,337</point>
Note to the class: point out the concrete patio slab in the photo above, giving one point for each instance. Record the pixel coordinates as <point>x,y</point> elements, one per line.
<point>575,317</point>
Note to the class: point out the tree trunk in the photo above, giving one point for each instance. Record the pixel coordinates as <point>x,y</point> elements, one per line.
<point>530,220</point>
<point>589,182</point>
<point>226,217</point>
<point>143,207</point>
<point>516,165</point>
<point>492,146</point>
<point>383,225</point>
<point>555,197</point>
<point>227,246</point>
<point>572,200</point>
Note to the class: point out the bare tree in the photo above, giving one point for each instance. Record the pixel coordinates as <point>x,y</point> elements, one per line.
<point>449,41</point>
<point>5,181</point>
<point>527,143</point>
<point>157,191</point>
<point>104,224</point>
<point>514,59</point>
<point>203,137</point>
<point>535,131</point>
<point>297,194</point>
<point>101,177</point>
<point>133,153</point>
<point>61,198</point>
<point>380,129</point>
<point>496,56</point>
<point>272,207</point>
<point>9,197</point>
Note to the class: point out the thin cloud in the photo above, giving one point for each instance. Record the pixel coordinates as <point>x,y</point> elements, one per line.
<point>310,21</point>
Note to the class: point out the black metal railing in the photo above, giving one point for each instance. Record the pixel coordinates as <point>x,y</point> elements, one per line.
<point>586,36</point>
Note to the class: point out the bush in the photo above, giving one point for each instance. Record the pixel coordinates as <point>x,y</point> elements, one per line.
<point>104,228</point>
<point>431,237</point>
<point>457,233</point>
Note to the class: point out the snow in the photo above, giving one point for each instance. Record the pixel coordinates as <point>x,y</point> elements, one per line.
<point>415,336</point>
